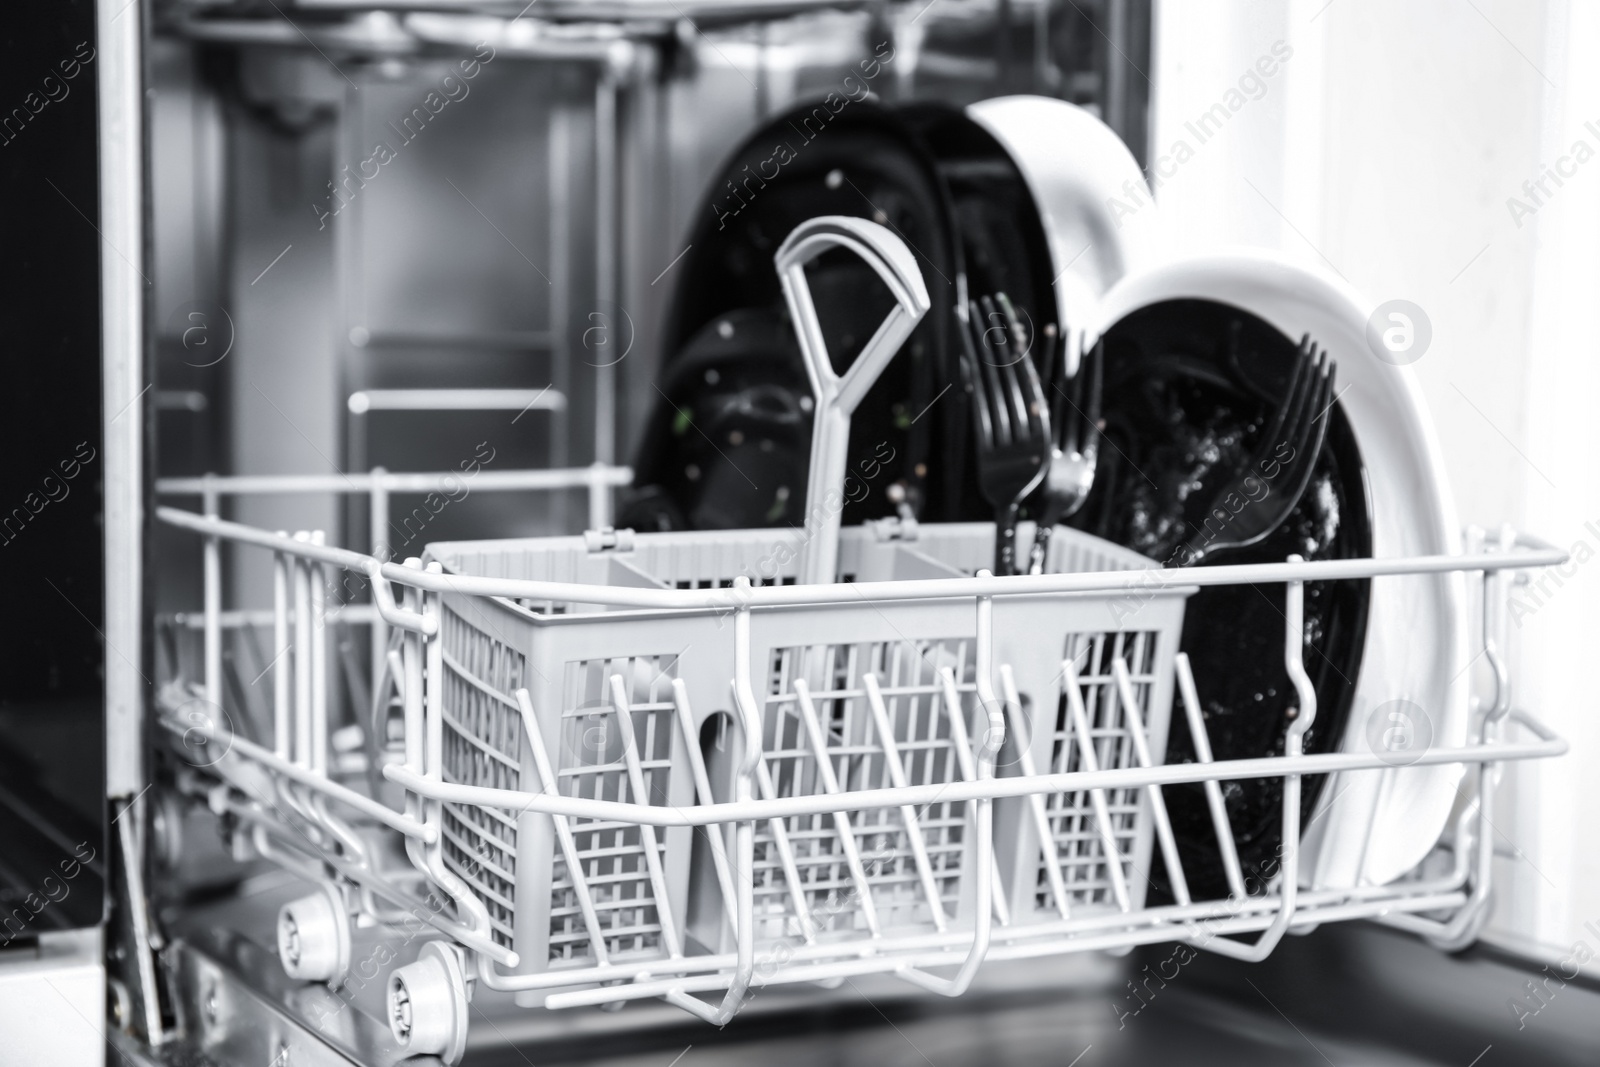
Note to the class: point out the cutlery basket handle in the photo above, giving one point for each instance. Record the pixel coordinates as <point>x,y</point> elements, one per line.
<point>838,395</point>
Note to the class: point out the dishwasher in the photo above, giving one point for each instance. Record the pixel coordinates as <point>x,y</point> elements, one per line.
<point>711,529</point>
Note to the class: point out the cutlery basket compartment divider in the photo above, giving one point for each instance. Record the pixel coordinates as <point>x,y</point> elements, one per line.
<point>638,706</point>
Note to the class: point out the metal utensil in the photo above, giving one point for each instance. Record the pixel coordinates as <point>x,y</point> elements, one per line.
<point>1262,493</point>
<point>1012,419</point>
<point>1075,413</point>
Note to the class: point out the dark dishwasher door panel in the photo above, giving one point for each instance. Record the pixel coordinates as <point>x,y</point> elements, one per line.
<point>52,721</point>
<point>1350,994</point>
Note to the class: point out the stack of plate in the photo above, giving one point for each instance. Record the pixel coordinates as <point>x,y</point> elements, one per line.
<point>1113,280</point>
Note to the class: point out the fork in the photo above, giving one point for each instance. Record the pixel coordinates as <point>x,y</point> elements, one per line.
<point>1270,485</point>
<point>1013,420</point>
<point>1075,413</point>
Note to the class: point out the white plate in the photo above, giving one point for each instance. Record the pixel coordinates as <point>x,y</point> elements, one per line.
<point>1077,168</point>
<point>1370,827</point>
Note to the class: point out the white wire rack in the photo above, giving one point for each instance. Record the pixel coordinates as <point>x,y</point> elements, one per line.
<point>862,886</point>
<point>378,485</point>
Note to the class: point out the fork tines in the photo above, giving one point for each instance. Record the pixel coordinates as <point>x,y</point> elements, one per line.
<point>1012,421</point>
<point>1011,407</point>
<point>1301,422</point>
<point>1260,495</point>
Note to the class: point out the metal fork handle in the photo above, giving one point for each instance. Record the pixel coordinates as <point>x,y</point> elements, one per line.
<point>1005,532</point>
<point>838,395</point>
<point>1042,534</point>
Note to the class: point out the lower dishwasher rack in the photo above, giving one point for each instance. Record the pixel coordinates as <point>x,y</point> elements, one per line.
<point>906,819</point>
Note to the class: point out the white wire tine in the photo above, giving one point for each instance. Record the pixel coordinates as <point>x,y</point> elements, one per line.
<point>983,921</point>
<point>744,959</point>
<point>1261,948</point>
<point>1289,871</point>
<point>1462,928</point>
<point>1050,855</point>
<point>569,847</point>
<point>392,693</point>
<point>353,845</point>
<point>961,741</point>
<point>754,764</point>
<point>1097,796</point>
<point>1158,803</point>
<point>983,913</point>
<point>411,694</point>
<point>1493,586</point>
<point>841,819</point>
<point>652,854</point>
<point>424,715</point>
<point>302,657</point>
<point>282,708</point>
<point>433,693</point>
<point>211,564</point>
<point>397,670</point>
<point>702,788</point>
<point>1294,608</point>
<point>791,871</point>
<point>1202,752</point>
<point>738,983</point>
<point>462,894</point>
<point>908,813</point>
<point>744,837</point>
<point>317,580</point>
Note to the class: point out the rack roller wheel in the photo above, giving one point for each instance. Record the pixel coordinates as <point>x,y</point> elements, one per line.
<point>314,937</point>
<point>428,1004</point>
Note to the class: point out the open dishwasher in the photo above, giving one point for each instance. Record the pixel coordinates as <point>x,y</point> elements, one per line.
<point>549,458</point>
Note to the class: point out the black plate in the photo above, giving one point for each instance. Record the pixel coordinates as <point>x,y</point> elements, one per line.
<point>1189,386</point>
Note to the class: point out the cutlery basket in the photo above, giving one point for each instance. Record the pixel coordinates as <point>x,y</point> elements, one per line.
<point>638,706</point>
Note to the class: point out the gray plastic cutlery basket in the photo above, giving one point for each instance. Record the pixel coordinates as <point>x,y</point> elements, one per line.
<point>636,705</point>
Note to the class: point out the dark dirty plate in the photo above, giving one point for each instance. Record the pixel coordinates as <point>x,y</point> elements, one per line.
<point>1190,386</point>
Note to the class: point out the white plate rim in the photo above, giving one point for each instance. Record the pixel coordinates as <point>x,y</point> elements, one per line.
<point>1078,172</point>
<point>1369,827</point>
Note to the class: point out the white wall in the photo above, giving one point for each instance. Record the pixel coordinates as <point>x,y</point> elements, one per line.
<point>1385,148</point>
